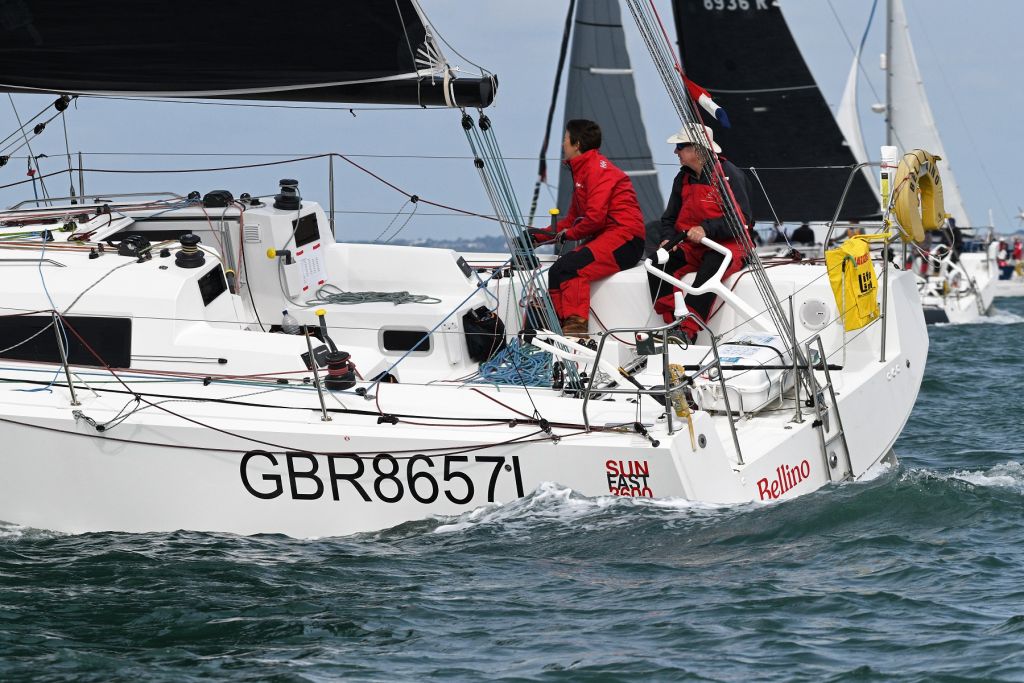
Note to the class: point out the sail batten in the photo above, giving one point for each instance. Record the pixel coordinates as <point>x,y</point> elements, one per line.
<point>781,123</point>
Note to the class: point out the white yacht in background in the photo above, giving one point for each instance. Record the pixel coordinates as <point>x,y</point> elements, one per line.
<point>957,288</point>
<point>794,182</point>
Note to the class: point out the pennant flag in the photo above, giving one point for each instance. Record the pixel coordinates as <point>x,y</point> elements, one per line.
<point>703,98</point>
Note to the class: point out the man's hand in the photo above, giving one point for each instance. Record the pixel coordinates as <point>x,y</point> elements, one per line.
<point>541,236</point>
<point>695,234</point>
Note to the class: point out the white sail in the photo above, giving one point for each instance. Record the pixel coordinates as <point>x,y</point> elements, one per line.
<point>911,120</point>
<point>848,119</point>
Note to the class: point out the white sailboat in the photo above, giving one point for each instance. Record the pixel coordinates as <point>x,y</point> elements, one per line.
<point>955,287</point>
<point>145,387</point>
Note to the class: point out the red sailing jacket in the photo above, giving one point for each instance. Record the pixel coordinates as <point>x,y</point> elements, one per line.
<point>603,198</point>
<point>700,202</point>
<point>694,201</point>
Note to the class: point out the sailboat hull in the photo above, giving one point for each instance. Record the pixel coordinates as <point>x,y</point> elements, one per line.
<point>224,467</point>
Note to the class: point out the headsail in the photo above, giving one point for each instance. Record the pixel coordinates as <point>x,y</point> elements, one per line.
<point>848,113</point>
<point>781,124</point>
<point>910,117</point>
<point>304,50</point>
<point>601,88</point>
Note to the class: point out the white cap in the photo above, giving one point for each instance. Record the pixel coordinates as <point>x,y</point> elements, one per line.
<point>693,133</point>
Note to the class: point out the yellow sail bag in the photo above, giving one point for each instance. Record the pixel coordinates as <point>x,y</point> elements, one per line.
<point>851,273</point>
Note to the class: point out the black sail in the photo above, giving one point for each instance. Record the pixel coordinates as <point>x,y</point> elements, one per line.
<point>745,55</point>
<point>601,89</point>
<point>353,51</point>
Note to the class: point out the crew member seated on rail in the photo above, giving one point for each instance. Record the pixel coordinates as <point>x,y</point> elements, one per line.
<point>604,214</point>
<point>696,208</point>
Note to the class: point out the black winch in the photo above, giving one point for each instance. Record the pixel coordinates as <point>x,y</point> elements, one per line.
<point>288,199</point>
<point>190,255</point>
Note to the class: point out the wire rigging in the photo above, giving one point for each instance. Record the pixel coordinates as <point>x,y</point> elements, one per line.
<point>542,167</point>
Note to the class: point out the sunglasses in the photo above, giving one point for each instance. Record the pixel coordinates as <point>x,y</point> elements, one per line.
<point>680,146</point>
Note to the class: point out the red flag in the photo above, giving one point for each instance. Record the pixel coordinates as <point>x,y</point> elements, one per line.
<point>703,98</point>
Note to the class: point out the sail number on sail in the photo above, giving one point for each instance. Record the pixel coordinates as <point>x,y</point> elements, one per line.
<point>733,5</point>
<point>423,478</point>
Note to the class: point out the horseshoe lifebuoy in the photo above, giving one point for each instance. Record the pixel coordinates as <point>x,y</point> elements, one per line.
<point>918,204</point>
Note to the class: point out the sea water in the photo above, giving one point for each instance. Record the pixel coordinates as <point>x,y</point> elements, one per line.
<point>916,574</point>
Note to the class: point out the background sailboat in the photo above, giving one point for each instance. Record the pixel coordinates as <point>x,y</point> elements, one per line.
<point>782,125</point>
<point>601,88</point>
<point>910,123</point>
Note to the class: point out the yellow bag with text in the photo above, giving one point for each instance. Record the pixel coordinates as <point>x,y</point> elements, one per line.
<point>851,273</point>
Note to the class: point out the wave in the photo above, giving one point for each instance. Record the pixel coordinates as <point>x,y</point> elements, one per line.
<point>552,502</point>
<point>888,494</point>
<point>996,316</point>
<point>1009,475</point>
<point>11,531</point>
<point>17,532</point>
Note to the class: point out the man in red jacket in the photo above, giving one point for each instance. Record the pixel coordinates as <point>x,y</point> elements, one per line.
<point>697,209</point>
<point>604,215</point>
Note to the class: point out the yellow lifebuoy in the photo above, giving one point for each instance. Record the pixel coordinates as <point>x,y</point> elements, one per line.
<point>918,203</point>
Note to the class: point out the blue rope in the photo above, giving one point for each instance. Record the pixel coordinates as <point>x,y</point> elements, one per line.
<point>517,364</point>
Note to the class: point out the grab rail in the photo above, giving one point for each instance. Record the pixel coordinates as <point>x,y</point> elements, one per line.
<point>842,198</point>
<point>713,285</point>
<point>668,389</point>
<point>96,199</point>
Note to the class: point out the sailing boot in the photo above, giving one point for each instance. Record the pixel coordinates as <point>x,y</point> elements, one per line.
<point>575,326</point>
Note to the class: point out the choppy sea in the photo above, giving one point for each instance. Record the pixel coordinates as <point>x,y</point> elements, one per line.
<point>915,575</point>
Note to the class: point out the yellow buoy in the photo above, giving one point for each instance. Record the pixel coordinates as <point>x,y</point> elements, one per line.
<point>918,204</point>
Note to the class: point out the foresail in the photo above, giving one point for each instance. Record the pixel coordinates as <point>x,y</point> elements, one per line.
<point>601,89</point>
<point>910,116</point>
<point>848,118</point>
<point>304,50</point>
<point>746,56</point>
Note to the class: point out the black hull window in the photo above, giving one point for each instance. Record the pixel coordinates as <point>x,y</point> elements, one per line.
<point>32,338</point>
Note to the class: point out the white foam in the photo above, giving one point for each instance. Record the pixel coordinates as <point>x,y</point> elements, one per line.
<point>550,501</point>
<point>554,502</point>
<point>879,469</point>
<point>1007,475</point>
<point>1001,317</point>
<point>11,531</point>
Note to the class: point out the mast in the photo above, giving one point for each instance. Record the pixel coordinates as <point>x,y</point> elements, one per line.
<point>888,72</point>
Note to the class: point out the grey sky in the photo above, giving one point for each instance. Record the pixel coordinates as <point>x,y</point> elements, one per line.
<point>968,55</point>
